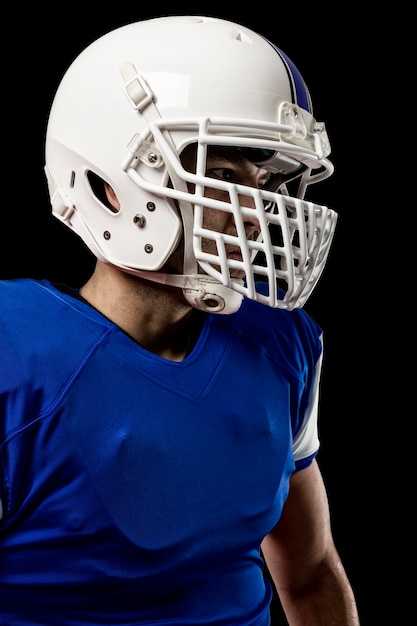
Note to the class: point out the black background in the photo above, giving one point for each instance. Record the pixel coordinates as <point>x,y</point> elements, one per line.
<point>333,49</point>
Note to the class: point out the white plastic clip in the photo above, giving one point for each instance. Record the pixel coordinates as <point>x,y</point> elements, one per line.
<point>135,86</point>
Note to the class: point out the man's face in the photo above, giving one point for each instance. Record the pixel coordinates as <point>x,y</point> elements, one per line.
<point>229,165</point>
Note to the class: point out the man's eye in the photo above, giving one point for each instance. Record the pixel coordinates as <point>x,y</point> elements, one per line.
<point>221,173</point>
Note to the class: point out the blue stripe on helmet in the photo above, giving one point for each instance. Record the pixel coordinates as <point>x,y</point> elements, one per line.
<point>299,90</point>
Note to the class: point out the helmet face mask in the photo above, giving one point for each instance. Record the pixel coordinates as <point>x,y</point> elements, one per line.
<point>133,128</point>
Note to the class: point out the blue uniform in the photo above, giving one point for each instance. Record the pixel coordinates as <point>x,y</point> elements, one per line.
<point>136,490</point>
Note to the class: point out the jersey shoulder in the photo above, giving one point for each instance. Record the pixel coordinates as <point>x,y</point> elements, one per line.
<point>45,336</point>
<point>292,338</point>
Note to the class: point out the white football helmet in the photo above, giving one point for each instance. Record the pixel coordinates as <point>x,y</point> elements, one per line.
<point>125,110</point>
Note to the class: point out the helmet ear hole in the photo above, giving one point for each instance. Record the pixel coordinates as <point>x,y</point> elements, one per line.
<point>97,186</point>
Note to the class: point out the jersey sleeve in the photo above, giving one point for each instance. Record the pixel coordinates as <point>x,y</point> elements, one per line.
<point>306,441</point>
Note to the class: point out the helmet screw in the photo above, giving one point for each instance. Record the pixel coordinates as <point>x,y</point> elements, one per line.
<point>152,157</point>
<point>149,248</point>
<point>150,206</point>
<point>106,235</point>
<point>139,220</point>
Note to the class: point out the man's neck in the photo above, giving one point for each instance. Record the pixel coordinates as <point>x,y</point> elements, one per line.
<point>155,316</point>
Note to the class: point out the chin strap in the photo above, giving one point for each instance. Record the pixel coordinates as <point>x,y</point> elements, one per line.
<point>201,291</point>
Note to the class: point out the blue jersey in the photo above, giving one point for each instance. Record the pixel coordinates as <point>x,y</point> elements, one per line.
<point>137,490</point>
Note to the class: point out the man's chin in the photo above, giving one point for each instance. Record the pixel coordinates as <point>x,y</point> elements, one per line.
<point>235,274</point>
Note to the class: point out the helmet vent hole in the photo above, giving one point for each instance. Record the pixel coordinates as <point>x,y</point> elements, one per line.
<point>97,188</point>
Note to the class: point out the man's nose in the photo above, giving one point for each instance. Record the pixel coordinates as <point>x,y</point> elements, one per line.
<point>250,220</point>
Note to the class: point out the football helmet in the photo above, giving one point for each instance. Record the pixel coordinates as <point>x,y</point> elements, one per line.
<point>125,110</point>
